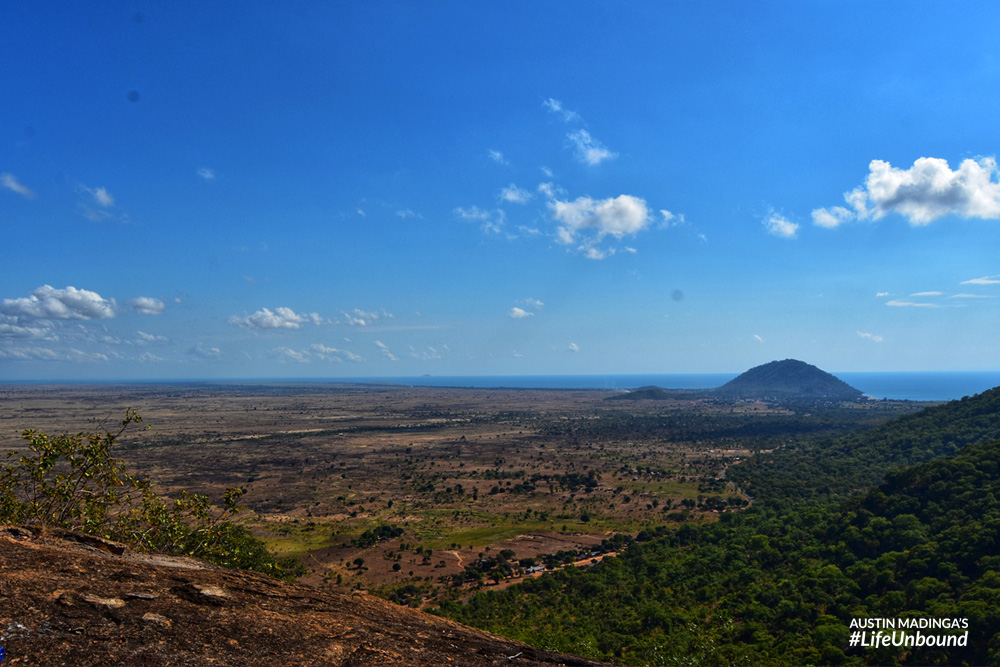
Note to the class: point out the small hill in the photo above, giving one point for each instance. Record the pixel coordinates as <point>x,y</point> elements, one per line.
<point>788,380</point>
<point>73,599</point>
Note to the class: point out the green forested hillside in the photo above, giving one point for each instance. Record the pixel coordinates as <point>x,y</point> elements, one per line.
<point>781,586</point>
<point>859,461</point>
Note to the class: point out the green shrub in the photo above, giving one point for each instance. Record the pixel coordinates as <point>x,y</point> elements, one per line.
<point>73,482</point>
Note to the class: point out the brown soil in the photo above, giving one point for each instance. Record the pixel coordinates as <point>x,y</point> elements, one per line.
<point>68,599</point>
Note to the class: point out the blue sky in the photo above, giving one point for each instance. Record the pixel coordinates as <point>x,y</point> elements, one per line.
<point>309,189</point>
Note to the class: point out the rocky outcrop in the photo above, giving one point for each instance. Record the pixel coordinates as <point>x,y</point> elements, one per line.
<point>67,599</point>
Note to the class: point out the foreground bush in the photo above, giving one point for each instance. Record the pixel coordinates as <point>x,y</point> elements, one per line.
<point>74,482</point>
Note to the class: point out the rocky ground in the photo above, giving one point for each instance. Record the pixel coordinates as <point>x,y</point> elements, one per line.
<point>69,599</point>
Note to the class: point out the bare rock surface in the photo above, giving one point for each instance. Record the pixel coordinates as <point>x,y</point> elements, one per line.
<point>67,599</point>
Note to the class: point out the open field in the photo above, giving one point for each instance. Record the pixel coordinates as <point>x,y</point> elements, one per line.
<point>455,477</point>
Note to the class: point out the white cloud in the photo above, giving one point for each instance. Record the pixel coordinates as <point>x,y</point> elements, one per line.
<point>407,213</point>
<point>333,354</point>
<point>923,193</point>
<point>556,107</point>
<point>426,354</point>
<point>102,197</point>
<point>47,302</point>
<point>875,338</point>
<point>489,221</point>
<point>289,353</point>
<point>534,303</point>
<point>206,173</point>
<point>589,221</point>
<point>778,225</point>
<point>144,338</point>
<point>573,347</point>
<point>515,195</point>
<point>8,330</point>
<point>832,217</point>
<point>985,280</point>
<point>203,351</point>
<point>927,294</point>
<point>970,296</point>
<point>497,157</point>
<point>758,338</point>
<point>879,295</point>
<point>589,150</point>
<point>385,351</point>
<point>146,305</point>
<point>46,354</point>
<point>9,181</point>
<point>280,318</point>
<point>363,318</point>
<point>670,219</point>
<point>910,304</point>
<point>516,313</point>
<point>551,191</point>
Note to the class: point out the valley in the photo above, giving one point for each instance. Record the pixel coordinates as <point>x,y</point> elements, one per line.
<point>422,494</point>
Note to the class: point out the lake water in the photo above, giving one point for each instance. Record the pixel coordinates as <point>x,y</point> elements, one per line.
<point>913,386</point>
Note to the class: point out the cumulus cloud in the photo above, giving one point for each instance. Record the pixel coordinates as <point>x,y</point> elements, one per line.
<point>49,303</point>
<point>146,305</point>
<point>923,193</point>
<point>778,225</point>
<point>385,351</point>
<point>280,318</point>
<point>875,338</point>
<point>9,181</point>
<point>589,150</point>
<point>519,313</point>
<point>573,347</point>
<point>497,157</point>
<point>515,195</point>
<point>206,174</point>
<point>588,221</point>
<point>534,303</point>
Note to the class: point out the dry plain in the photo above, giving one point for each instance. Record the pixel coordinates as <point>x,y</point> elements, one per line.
<point>454,476</point>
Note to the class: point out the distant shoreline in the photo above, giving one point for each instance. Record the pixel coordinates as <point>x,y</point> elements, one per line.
<point>903,386</point>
